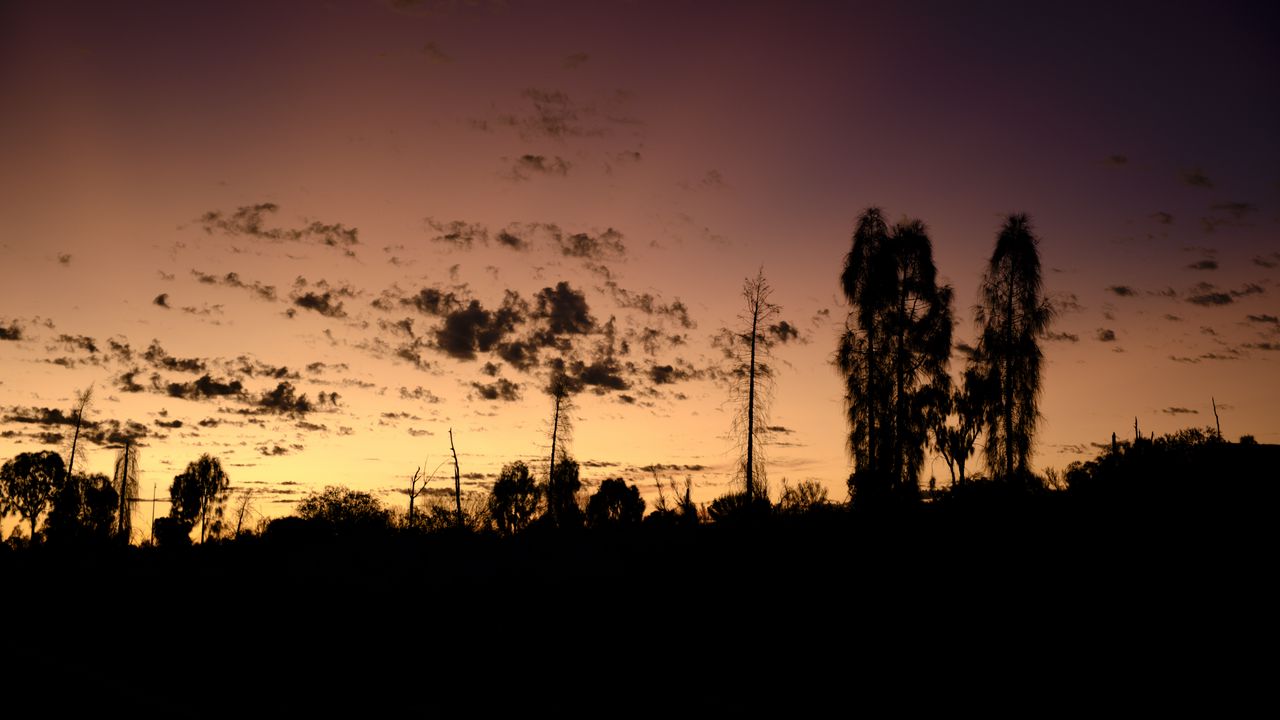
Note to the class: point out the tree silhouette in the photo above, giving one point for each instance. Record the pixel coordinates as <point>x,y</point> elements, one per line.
<point>28,483</point>
<point>893,353</point>
<point>562,494</point>
<point>561,388</point>
<point>345,510</point>
<point>1012,316</point>
<point>82,403</point>
<point>514,501</point>
<point>84,509</point>
<point>957,421</point>
<point>749,348</point>
<point>615,504</point>
<point>198,494</point>
<point>126,486</point>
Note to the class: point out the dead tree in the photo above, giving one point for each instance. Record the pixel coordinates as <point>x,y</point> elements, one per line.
<point>457,480</point>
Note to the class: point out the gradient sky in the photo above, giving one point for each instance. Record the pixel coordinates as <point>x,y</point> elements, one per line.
<point>315,193</point>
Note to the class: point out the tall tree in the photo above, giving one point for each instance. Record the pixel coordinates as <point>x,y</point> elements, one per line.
<point>198,494</point>
<point>125,481</point>
<point>82,403</point>
<point>28,483</point>
<point>561,389</point>
<point>752,374</point>
<point>894,353</point>
<point>1012,315</point>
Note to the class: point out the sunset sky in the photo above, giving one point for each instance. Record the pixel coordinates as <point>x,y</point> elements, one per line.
<point>407,211</point>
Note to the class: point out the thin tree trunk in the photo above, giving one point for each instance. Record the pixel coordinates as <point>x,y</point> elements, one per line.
<point>122,520</point>
<point>551,470</point>
<point>751,405</point>
<point>457,480</point>
<point>1008,386</point>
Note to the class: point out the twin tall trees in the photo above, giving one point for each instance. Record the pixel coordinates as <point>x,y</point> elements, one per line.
<point>895,351</point>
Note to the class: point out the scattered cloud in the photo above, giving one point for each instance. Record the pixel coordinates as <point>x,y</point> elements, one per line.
<point>1106,335</point>
<point>420,394</point>
<point>1122,290</point>
<point>1163,218</point>
<point>650,304</point>
<point>12,331</point>
<point>500,389</point>
<point>1117,160</point>
<point>251,221</point>
<point>1204,265</point>
<point>1195,177</point>
<point>1061,337</point>
<point>576,60</point>
<point>1237,210</point>
<point>162,300</point>
<point>323,303</point>
<point>1180,411</point>
<point>1267,261</point>
<point>232,279</point>
<point>526,166</point>
<point>784,332</point>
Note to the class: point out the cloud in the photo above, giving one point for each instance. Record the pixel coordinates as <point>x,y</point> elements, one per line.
<point>159,358</point>
<point>1195,177</point>
<point>1066,303</point>
<point>1122,290</point>
<point>1270,319</point>
<point>171,424</point>
<point>458,233</point>
<point>1237,210</point>
<point>1180,411</point>
<point>273,450</point>
<point>472,328</point>
<point>1206,294</point>
<point>1204,265</point>
<point>1269,346</point>
<point>712,179</point>
<point>420,394</point>
<point>506,238</point>
<point>500,389</point>
<point>1117,160</point>
<point>434,301</point>
<point>1060,337</point>
<point>232,279</point>
<point>79,342</point>
<point>1211,298</point>
<point>284,399</point>
<point>650,305</point>
<point>554,115</point>
<point>605,245</point>
<point>99,432</point>
<point>526,166</point>
<point>162,300</point>
<point>322,303</point>
<point>12,331</point>
<point>671,374</point>
<point>565,310</point>
<point>1163,218</point>
<point>1106,335</point>
<point>64,258</point>
<point>250,221</point>
<point>576,60</point>
<point>1267,261</point>
<point>784,332</point>
<point>204,387</point>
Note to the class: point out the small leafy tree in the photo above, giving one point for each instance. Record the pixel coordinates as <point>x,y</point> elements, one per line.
<point>83,510</point>
<point>562,494</point>
<point>615,504</point>
<point>345,510</point>
<point>515,498</point>
<point>28,483</point>
<point>199,494</point>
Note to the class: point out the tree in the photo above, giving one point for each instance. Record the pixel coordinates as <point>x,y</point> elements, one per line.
<point>198,494</point>
<point>28,483</point>
<point>82,404</point>
<point>752,375</point>
<point>84,509</point>
<point>957,422</point>
<point>345,510</point>
<point>561,389</point>
<point>562,494</point>
<point>1012,316</point>
<point>514,500</point>
<point>126,488</point>
<point>893,353</point>
<point>615,504</point>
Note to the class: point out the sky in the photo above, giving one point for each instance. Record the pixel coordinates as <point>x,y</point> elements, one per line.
<point>311,238</point>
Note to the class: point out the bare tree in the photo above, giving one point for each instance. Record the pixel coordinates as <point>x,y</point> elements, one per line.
<point>561,389</point>
<point>82,403</point>
<point>244,506</point>
<point>457,480</point>
<point>125,480</point>
<point>752,376</point>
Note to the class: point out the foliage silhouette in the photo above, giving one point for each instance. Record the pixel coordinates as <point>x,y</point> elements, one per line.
<point>345,511</point>
<point>561,494</point>
<point>615,504</point>
<point>956,423</point>
<point>29,483</point>
<point>84,510</point>
<point>893,354</point>
<point>198,494</point>
<point>1012,316</point>
<point>739,508</point>
<point>514,500</point>
<point>806,497</point>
